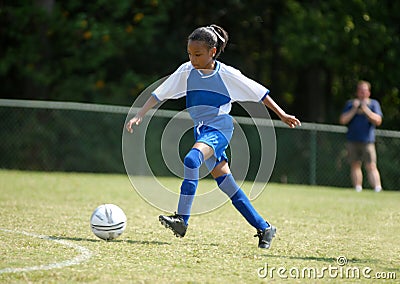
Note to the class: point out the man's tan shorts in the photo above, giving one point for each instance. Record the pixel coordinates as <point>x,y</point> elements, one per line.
<point>361,152</point>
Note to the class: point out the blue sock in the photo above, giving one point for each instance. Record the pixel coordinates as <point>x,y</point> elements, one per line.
<point>192,163</point>
<point>239,199</point>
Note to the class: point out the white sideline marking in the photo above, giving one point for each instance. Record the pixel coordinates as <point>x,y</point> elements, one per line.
<point>85,254</point>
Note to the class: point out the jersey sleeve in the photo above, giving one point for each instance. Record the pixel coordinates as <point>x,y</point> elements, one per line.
<point>174,86</point>
<point>376,108</point>
<point>242,88</point>
<point>347,106</point>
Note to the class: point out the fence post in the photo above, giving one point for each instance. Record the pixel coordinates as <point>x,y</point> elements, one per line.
<point>313,156</point>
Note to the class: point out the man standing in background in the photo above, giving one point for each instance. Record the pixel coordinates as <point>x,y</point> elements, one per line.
<point>362,115</point>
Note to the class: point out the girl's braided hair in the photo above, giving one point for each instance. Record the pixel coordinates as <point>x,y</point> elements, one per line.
<point>213,36</point>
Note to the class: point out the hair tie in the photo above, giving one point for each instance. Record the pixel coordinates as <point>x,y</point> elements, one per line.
<point>217,34</point>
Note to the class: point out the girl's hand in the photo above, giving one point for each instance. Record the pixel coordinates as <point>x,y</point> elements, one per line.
<point>291,120</point>
<point>136,120</point>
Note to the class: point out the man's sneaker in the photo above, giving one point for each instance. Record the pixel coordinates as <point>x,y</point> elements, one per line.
<point>175,223</point>
<point>265,237</point>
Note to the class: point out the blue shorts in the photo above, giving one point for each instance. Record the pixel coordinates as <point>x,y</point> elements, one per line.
<point>216,140</point>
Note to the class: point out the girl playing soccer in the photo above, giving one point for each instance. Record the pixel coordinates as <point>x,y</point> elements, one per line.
<point>210,88</point>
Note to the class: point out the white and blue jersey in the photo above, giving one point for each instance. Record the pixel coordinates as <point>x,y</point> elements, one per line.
<point>209,99</point>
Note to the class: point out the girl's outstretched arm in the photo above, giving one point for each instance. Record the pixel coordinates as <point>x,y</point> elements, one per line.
<point>149,104</point>
<point>290,120</point>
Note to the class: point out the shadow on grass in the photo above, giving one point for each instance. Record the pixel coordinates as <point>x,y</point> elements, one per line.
<point>146,242</point>
<point>75,239</point>
<point>95,240</point>
<point>322,259</point>
<point>315,258</point>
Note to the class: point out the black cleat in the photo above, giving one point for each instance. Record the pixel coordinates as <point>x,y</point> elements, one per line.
<point>265,237</point>
<point>175,223</point>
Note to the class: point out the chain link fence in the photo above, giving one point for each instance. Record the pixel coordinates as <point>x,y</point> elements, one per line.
<point>75,137</point>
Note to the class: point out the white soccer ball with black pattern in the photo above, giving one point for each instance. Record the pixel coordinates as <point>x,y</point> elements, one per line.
<point>108,221</point>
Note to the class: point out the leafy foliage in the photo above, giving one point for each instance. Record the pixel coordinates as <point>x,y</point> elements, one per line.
<point>309,53</point>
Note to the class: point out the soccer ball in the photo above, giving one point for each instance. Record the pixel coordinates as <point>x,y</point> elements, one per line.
<point>108,221</point>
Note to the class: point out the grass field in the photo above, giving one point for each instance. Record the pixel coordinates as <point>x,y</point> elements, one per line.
<point>45,235</point>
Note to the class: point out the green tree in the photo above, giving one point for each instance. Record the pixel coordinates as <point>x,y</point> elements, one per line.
<point>93,51</point>
<point>309,53</point>
<point>330,45</point>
